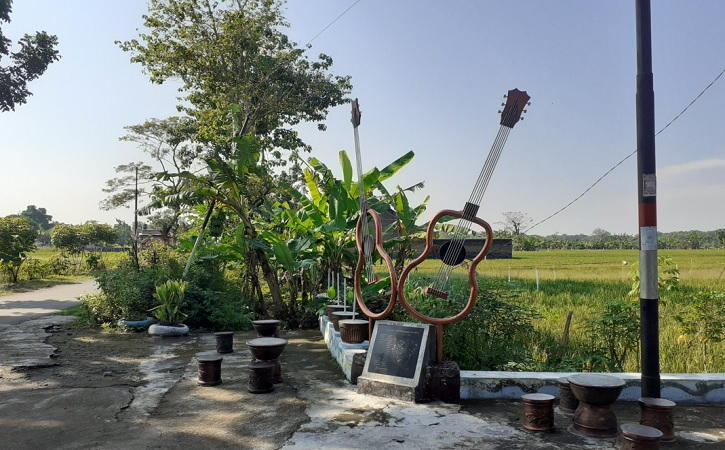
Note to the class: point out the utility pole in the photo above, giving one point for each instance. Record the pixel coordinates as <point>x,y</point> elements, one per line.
<point>134,243</point>
<point>647,196</point>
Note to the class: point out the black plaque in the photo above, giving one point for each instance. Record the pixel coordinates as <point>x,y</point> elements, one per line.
<point>395,351</point>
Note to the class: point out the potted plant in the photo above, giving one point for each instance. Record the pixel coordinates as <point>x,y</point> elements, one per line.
<point>170,296</point>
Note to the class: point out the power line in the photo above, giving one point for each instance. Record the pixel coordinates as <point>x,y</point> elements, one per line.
<point>339,16</point>
<point>611,169</point>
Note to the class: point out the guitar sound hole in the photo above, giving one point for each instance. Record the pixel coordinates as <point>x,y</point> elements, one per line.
<point>452,260</point>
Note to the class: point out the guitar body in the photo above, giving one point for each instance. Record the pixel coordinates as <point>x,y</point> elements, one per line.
<point>377,239</point>
<point>472,274</point>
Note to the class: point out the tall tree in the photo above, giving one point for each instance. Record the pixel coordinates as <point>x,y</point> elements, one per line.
<point>246,85</point>
<point>33,57</point>
<point>39,216</point>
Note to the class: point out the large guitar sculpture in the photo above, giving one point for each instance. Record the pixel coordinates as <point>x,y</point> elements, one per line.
<point>453,253</point>
<point>367,240</point>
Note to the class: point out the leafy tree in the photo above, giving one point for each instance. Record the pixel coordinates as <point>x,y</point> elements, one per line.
<point>124,232</point>
<point>240,73</point>
<point>123,189</point>
<point>516,221</point>
<point>38,216</point>
<point>68,238</point>
<point>99,234</point>
<point>721,237</point>
<point>246,86</point>
<point>17,238</point>
<point>36,52</point>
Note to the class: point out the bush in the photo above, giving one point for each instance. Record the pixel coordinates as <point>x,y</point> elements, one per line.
<point>495,334</point>
<point>34,269</point>
<point>211,301</point>
<point>614,334</point>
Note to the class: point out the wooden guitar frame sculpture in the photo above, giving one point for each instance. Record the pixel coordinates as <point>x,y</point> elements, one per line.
<point>360,266</point>
<point>472,274</point>
<point>361,231</point>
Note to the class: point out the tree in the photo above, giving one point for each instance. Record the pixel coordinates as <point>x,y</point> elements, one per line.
<point>124,232</point>
<point>68,238</point>
<point>515,221</point>
<point>38,216</point>
<point>246,86</point>
<point>721,236</point>
<point>35,54</point>
<point>17,238</point>
<point>123,189</point>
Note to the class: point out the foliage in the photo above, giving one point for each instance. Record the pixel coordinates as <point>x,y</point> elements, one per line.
<point>702,321</point>
<point>170,296</point>
<point>17,238</point>
<point>31,60</point>
<point>74,239</point>
<point>615,333</point>
<point>668,276</point>
<point>493,336</point>
<point>38,216</point>
<point>516,221</point>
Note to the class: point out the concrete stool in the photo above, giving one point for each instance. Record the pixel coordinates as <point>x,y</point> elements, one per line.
<point>266,327</point>
<point>224,341</point>
<point>567,402</point>
<point>596,393</point>
<point>210,369</point>
<point>640,437</point>
<point>353,331</point>
<point>657,413</point>
<point>538,412</point>
<point>260,377</point>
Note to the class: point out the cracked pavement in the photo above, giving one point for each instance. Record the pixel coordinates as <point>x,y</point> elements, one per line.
<point>63,387</point>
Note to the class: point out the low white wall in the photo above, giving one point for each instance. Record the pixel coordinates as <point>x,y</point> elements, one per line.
<point>682,388</point>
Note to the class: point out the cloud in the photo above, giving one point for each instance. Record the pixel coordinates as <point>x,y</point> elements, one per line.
<point>692,166</point>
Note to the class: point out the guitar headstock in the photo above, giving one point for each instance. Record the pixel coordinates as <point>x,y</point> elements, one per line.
<point>516,101</point>
<point>355,113</point>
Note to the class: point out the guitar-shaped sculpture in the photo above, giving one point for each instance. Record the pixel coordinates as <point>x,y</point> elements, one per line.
<point>453,253</point>
<point>368,241</point>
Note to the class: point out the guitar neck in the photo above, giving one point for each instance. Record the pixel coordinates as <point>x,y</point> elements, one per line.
<point>484,177</point>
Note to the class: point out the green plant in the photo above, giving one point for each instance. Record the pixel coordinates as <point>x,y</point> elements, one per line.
<point>615,332</point>
<point>702,322</point>
<point>17,238</point>
<point>668,276</point>
<point>170,296</point>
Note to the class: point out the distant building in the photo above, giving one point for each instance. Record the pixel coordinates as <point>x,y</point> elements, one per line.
<point>149,236</point>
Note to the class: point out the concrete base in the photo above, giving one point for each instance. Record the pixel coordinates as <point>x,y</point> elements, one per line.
<point>390,390</point>
<point>350,357</point>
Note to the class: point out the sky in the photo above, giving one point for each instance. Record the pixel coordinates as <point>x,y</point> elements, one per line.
<point>430,77</point>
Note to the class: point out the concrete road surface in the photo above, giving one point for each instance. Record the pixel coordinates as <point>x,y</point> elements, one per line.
<point>16,308</point>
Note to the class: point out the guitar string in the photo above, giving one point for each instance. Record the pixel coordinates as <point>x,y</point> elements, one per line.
<point>367,251</point>
<point>476,196</point>
<point>463,226</point>
<point>448,257</point>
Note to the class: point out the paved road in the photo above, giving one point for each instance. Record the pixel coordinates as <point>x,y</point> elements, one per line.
<point>16,308</point>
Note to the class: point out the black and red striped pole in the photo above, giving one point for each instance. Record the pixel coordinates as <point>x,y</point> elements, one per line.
<point>647,194</point>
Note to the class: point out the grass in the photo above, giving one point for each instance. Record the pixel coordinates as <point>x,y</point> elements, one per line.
<point>582,280</point>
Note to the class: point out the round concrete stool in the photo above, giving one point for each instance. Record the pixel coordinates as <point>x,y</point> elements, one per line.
<point>224,341</point>
<point>329,309</point>
<point>266,327</point>
<point>210,369</point>
<point>640,437</point>
<point>567,402</point>
<point>260,377</point>
<point>538,412</point>
<point>353,331</point>
<point>657,413</point>
<point>596,393</point>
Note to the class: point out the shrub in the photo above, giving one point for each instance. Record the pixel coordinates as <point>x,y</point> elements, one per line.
<point>702,322</point>
<point>494,336</point>
<point>34,269</point>
<point>98,307</point>
<point>170,296</point>
<point>615,333</point>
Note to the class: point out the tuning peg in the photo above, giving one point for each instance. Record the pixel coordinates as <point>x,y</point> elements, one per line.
<point>499,111</point>
<point>521,118</point>
<point>525,110</point>
<point>504,95</point>
<point>528,104</point>
<point>503,104</point>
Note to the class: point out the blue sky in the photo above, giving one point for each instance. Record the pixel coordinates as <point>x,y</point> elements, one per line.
<point>430,77</point>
